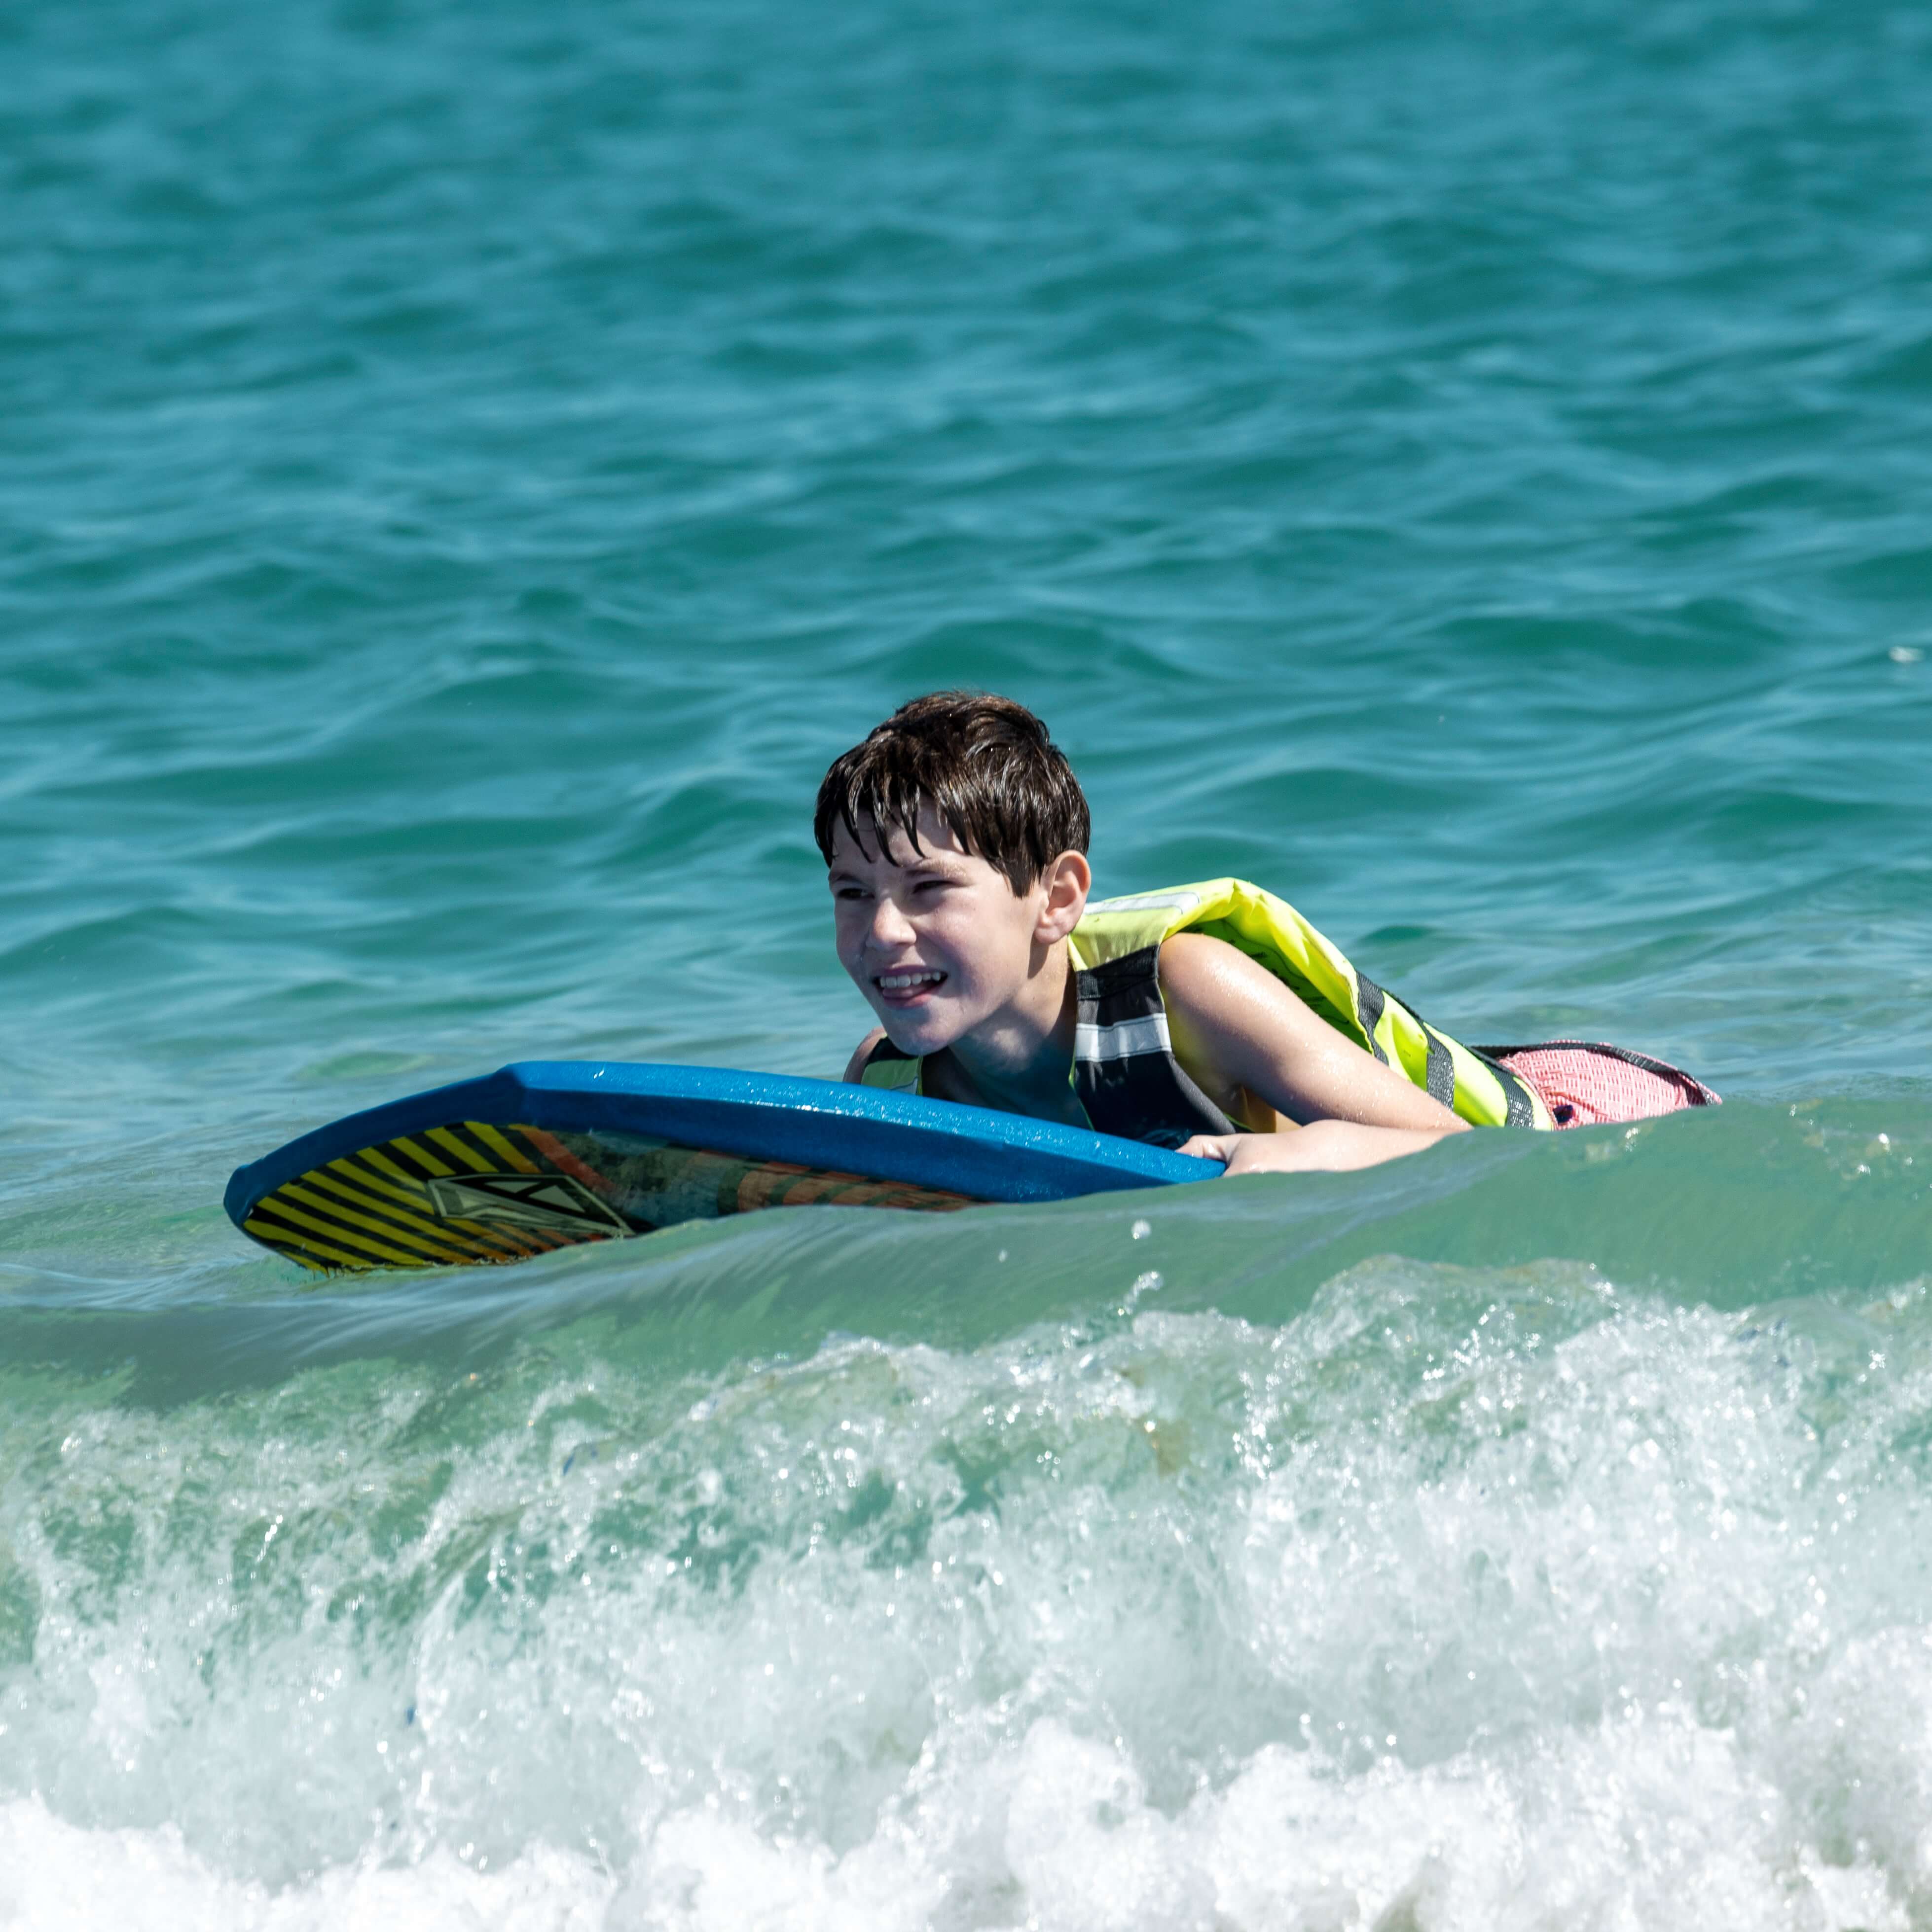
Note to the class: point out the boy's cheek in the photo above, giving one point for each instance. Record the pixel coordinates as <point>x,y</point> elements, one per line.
<point>848,955</point>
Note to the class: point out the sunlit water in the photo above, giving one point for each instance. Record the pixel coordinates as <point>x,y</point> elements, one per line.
<point>465,472</point>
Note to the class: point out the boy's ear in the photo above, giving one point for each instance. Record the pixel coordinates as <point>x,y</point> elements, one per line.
<point>1068,880</point>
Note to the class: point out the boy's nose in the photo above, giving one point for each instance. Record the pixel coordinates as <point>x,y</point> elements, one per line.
<point>890,926</point>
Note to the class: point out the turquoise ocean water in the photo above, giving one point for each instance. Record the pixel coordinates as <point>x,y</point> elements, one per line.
<point>464,471</point>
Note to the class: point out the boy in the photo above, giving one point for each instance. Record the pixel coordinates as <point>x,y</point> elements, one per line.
<point>1211,1017</point>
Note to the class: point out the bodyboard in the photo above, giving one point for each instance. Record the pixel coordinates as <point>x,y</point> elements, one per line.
<point>545,1154</point>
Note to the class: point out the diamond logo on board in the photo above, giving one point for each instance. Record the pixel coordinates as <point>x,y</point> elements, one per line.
<point>554,1202</point>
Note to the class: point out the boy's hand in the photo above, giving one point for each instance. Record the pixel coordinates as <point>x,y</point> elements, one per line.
<point>1322,1147</point>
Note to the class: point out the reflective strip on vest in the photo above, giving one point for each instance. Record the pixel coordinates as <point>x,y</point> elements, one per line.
<point>1123,1039</point>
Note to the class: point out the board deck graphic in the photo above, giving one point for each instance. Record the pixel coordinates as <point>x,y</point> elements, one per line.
<point>545,1155</point>
<point>553,1201</point>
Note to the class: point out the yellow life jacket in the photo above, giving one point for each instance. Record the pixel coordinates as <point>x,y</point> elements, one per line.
<point>1124,1070</point>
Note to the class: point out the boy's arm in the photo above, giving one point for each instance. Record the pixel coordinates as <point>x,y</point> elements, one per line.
<point>855,1067</point>
<point>1234,1026</point>
<point>1322,1147</point>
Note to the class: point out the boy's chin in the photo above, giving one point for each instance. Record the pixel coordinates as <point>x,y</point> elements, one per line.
<point>919,1034</point>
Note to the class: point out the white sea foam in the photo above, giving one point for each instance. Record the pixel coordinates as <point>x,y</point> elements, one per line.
<point>1644,1825</point>
<point>1463,1601</point>
<point>56,1877</point>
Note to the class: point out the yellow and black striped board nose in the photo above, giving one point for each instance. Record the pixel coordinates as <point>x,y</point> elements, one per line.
<point>464,1192</point>
<point>551,1154</point>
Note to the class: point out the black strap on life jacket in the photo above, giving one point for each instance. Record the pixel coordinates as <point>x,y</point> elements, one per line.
<point>1124,1071</point>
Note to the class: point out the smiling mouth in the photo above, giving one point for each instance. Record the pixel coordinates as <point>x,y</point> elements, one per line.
<point>905,985</point>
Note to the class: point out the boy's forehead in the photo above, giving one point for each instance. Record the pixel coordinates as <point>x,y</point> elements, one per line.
<point>936,838</point>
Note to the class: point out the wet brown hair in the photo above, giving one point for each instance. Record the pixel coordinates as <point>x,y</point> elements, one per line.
<point>985,765</point>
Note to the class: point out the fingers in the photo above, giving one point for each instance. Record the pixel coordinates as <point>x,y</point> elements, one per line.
<point>1210,1147</point>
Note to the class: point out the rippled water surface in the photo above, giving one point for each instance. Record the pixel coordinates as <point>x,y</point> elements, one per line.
<point>465,472</point>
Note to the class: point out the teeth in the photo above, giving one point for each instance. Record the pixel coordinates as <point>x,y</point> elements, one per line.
<point>897,982</point>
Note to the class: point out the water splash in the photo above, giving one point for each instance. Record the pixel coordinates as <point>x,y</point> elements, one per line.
<point>1480,1597</point>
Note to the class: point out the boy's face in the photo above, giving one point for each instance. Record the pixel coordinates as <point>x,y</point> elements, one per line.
<point>937,941</point>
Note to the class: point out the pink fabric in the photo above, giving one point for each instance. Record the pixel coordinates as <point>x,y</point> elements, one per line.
<point>1583,1085</point>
